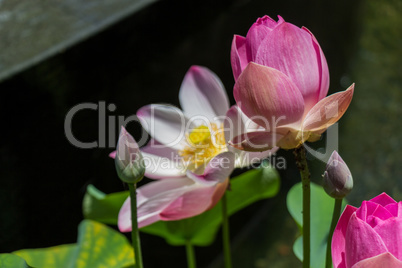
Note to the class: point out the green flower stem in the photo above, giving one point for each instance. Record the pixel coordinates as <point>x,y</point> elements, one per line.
<point>335,218</point>
<point>134,232</point>
<point>190,255</point>
<point>300,155</point>
<point>225,233</point>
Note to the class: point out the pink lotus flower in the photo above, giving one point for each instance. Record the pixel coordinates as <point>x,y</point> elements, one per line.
<point>369,236</point>
<point>282,79</point>
<point>188,154</point>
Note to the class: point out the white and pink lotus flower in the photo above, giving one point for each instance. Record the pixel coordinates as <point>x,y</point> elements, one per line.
<point>188,155</point>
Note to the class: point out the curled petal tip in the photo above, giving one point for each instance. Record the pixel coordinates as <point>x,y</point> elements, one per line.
<point>123,129</point>
<point>334,156</point>
<point>112,154</point>
<point>328,111</point>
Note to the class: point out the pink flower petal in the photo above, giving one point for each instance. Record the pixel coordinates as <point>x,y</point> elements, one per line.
<point>238,55</point>
<point>393,209</point>
<point>391,233</point>
<point>379,214</point>
<point>383,199</point>
<point>290,50</point>
<point>384,260</point>
<point>165,123</point>
<point>362,241</point>
<point>338,238</point>
<point>367,208</point>
<point>155,189</point>
<point>203,94</point>
<point>256,141</point>
<point>257,32</point>
<point>400,208</point>
<point>267,96</point>
<point>269,22</point>
<point>328,111</point>
<point>124,218</point>
<point>219,167</point>
<point>194,202</point>
<point>152,199</point>
<point>322,67</point>
<point>161,161</point>
<point>217,170</point>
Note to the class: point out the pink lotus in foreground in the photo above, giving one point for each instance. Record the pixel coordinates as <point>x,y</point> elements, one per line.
<point>369,236</point>
<point>282,79</point>
<point>188,154</point>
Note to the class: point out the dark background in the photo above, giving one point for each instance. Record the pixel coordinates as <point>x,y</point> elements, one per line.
<point>143,59</point>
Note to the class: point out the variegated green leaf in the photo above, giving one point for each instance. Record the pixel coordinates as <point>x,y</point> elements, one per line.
<point>8,260</point>
<point>97,246</point>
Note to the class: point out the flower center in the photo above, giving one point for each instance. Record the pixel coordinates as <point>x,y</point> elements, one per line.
<point>199,135</point>
<point>204,143</point>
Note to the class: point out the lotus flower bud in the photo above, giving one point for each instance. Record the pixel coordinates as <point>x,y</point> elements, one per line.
<point>129,162</point>
<point>369,236</point>
<point>338,181</point>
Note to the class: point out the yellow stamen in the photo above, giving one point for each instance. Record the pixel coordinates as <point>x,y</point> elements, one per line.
<point>204,144</point>
<point>199,134</point>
